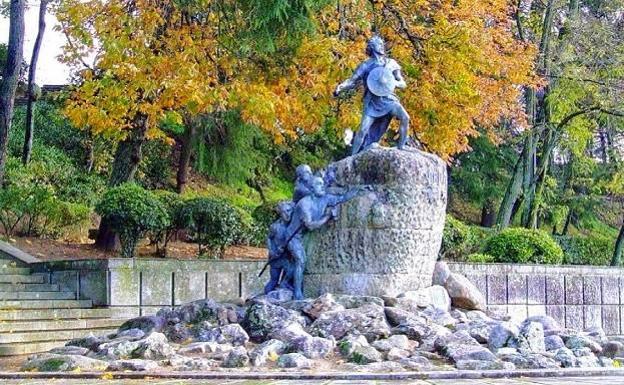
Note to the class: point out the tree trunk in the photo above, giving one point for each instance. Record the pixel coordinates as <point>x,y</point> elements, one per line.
<point>126,162</point>
<point>185,155</point>
<point>129,153</point>
<point>31,95</point>
<point>516,208</point>
<point>488,214</point>
<point>511,193</point>
<point>619,244</point>
<point>10,76</point>
<point>568,221</point>
<point>90,161</point>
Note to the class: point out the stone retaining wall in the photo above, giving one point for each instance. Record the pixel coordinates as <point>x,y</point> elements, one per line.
<point>142,286</point>
<point>577,296</point>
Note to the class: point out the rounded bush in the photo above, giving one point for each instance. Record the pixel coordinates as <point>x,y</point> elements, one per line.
<point>216,224</point>
<point>132,212</point>
<point>459,240</point>
<point>263,216</point>
<point>454,236</point>
<point>586,250</point>
<point>173,204</point>
<point>519,245</point>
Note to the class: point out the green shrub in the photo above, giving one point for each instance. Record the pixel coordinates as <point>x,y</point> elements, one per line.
<point>480,258</point>
<point>586,250</point>
<point>454,236</point>
<point>67,216</point>
<point>460,240</point>
<point>263,216</point>
<point>132,212</point>
<point>51,168</point>
<point>173,204</point>
<point>519,245</point>
<point>34,210</point>
<point>216,224</point>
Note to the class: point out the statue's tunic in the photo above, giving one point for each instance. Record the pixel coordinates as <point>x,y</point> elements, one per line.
<point>377,106</point>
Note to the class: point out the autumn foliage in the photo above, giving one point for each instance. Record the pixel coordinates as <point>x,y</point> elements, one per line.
<point>465,69</point>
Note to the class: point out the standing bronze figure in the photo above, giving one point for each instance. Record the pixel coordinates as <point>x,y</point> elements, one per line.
<point>379,76</point>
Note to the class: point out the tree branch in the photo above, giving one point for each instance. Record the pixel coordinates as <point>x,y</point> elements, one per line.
<point>601,83</point>
<point>519,21</point>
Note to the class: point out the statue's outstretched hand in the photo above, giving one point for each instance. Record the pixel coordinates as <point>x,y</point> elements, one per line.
<point>337,91</point>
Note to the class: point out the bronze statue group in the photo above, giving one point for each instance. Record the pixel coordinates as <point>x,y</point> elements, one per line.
<point>312,206</point>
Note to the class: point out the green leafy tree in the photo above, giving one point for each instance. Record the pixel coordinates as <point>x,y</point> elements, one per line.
<point>481,175</point>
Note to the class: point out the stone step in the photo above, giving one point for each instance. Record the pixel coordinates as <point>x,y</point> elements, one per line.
<point>32,295</point>
<point>53,314</point>
<point>45,304</point>
<point>29,348</point>
<point>17,278</point>
<point>12,270</point>
<point>61,324</point>
<point>11,287</point>
<point>44,336</point>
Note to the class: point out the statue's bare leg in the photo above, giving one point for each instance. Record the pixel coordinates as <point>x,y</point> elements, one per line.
<point>358,140</point>
<point>297,251</point>
<point>400,113</point>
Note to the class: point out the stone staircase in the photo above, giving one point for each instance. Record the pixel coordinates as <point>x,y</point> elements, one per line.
<point>36,315</point>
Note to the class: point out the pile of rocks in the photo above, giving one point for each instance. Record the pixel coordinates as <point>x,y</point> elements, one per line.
<point>437,328</point>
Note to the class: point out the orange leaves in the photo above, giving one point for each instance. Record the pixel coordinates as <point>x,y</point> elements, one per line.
<point>463,66</point>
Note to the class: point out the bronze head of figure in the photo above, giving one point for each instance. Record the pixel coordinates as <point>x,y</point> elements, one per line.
<point>376,46</point>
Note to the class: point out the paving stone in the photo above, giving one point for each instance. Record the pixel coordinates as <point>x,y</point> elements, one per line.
<point>557,312</point>
<point>574,290</point>
<point>480,281</point>
<point>611,319</point>
<point>574,317</point>
<point>592,316</point>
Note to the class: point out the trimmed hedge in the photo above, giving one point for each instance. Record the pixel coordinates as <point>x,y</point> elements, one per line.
<point>519,245</point>
<point>586,250</point>
<point>459,240</point>
<point>133,212</point>
<point>215,223</point>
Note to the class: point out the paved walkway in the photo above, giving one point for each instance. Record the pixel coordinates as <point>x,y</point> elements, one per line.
<point>522,381</point>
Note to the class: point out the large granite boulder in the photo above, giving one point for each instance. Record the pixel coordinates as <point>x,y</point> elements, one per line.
<point>369,321</point>
<point>386,241</point>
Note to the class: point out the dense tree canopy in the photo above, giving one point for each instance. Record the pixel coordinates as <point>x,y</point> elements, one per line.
<point>155,58</point>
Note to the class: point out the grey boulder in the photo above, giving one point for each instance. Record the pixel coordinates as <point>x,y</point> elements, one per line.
<point>464,294</point>
<point>236,358</point>
<point>294,360</point>
<point>48,362</point>
<point>368,320</point>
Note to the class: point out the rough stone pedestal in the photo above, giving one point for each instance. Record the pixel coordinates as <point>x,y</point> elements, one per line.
<point>386,241</point>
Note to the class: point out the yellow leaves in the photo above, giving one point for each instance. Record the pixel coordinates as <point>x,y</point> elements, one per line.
<point>107,376</point>
<point>462,64</point>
